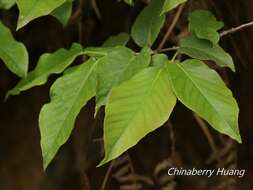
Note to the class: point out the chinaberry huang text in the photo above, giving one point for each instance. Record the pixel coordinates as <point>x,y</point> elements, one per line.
<point>206,172</point>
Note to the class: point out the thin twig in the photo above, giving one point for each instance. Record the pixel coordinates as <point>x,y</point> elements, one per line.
<point>107,175</point>
<point>173,48</point>
<point>172,26</point>
<point>96,9</point>
<point>80,22</point>
<point>235,29</point>
<point>222,34</point>
<point>208,135</point>
<point>172,139</point>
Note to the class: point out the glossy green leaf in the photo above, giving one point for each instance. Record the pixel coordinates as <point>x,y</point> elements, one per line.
<point>68,95</point>
<point>48,64</point>
<point>204,25</point>
<point>202,90</point>
<point>118,40</point>
<point>63,12</point>
<point>136,108</point>
<point>7,4</point>
<point>13,53</point>
<point>32,9</point>
<point>118,66</point>
<point>205,50</point>
<point>148,24</point>
<point>171,4</point>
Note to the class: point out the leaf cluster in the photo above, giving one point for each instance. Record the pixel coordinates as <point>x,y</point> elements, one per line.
<point>138,89</point>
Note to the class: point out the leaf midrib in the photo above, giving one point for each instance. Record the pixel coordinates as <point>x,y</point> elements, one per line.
<point>203,94</point>
<point>68,112</point>
<point>13,60</point>
<point>137,110</point>
<point>47,73</point>
<point>206,53</point>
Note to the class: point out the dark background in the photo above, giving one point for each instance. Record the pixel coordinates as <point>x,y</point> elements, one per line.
<point>75,164</point>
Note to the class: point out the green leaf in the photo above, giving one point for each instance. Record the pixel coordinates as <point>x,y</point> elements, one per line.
<point>13,53</point>
<point>159,60</point>
<point>118,40</point>
<point>32,9</point>
<point>171,4</point>
<point>97,52</point>
<point>136,108</point>
<point>7,4</point>
<point>108,46</point>
<point>118,66</point>
<point>202,90</point>
<point>48,64</point>
<point>148,24</point>
<point>205,50</point>
<point>68,95</point>
<point>63,12</point>
<point>200,18</point>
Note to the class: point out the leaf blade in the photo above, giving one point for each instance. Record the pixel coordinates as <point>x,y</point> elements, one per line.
<point>48,64</point>
<point>7,4</point>
<point>203,91</point>
<point>148,24</point>
<point>171,4</point>
<point>117,66</point>
<point>204,50</point>
<point>63,12</point>
<point>32,9</point>
<point>13,53</point>
<point>120,39</point>
<point>200,18</point>
<point>68,95</point>
<point>136,108</point>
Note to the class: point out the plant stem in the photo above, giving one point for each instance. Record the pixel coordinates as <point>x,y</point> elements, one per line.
<point>172,26</point>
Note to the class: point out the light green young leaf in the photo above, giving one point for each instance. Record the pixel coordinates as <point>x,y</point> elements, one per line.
<point>136,108</point>
<point>202,90</point>
<point>118,40</point>
<point>205,50</point>
<point>118,66</point>
<point>68,95</point>
<point>148,24</point>
<point>13,53</point>
<point>32,9</point>
<point>63,12</point>
<point>204,25</point>
<point>171,4</point>
<point>7,4</point>
<point>48,64</point>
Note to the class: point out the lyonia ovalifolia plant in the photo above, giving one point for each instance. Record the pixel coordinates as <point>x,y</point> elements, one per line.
<point>138,89</point>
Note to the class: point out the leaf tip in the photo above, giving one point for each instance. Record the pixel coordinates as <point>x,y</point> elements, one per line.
<point>103,162</point>
<point>21,23</point>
